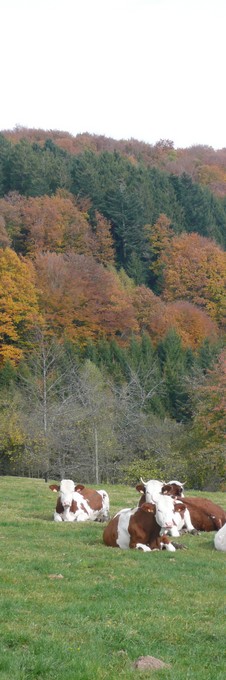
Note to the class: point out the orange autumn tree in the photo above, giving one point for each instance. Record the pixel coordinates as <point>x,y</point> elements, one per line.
<point>54,223</point>
<point>158,237</point>
<point>18,304</point>
<point>102,241</point>
<point>82,300</point>
<point>194,269</point>
<point>47,223</point>
<point>157,317</point>
<point>192,324</point>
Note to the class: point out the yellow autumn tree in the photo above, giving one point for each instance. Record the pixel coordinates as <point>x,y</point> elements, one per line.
<point>18,304</point>
<point>194,269</point>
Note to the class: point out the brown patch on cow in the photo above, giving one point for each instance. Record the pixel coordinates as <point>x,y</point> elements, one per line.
<point>93,498</point>
<point>172,490</point>
<point>110,533</point>
<point>205,515</point>
<point>146,663</point>
<point>59,506</point>
<point>140,488</point>
<point>143,528</point>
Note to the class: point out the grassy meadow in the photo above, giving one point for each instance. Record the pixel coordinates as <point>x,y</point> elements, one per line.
<point>73,609</point>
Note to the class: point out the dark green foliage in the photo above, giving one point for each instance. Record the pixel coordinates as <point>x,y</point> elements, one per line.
<point>32,170</point>
<point>176,365</point>
<point>203,212</point>
<point>207,355</point>
<point>5,148</point>
<point>8,375</point>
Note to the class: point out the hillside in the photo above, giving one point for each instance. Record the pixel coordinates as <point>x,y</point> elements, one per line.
<point>112,290</point>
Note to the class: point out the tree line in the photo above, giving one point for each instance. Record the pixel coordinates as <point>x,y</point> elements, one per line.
<point>112,318</point>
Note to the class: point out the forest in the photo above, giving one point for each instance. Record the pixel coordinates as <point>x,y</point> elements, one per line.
<point>113,309</point>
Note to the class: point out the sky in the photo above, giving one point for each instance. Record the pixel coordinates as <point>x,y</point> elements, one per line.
<point>141,69</point>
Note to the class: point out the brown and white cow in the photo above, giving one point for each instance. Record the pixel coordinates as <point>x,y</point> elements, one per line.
<point>141,527</point>
<point>151,491</point>
<point>79,503</point>
<point>205,515</point>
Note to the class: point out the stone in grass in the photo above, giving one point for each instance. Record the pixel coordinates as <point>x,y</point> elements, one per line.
<point>147,663</point>
<point>55,576</point>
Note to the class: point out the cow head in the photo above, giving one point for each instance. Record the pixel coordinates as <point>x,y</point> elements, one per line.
<point>66,489</point>
<point>165,512</point>
<point>173,488</point>
<point>150,489</point>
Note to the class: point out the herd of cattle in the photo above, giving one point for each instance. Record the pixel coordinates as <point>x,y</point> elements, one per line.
<point>163,510</point>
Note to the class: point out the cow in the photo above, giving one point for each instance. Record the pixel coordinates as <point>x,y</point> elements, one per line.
<point>205,515</point>
<point>79,503</point>
<point>151,491</point>
<point>140,527</point>
<point>220,539</point>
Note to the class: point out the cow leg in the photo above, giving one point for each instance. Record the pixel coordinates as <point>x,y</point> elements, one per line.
<point>165,544</point>
<point>68,516</point>
<point>168,546</point>
<point>187,522</point>
<point>57,517</point>
<point>142,546</point>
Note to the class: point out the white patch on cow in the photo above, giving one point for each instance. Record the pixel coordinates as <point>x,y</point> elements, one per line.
<point>83,512</point>
<point>164,511</point>
<point>220,539</point>
<point>104,513</point>
<point>187,521</point>
<point>123,539</point>
<point>67,487</point>
<point>152,490</point>
<point>142,546</point>
<point>57,517</point>
<point>168,546</point>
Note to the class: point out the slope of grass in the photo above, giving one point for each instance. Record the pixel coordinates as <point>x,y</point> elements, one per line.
<point>71,608</point>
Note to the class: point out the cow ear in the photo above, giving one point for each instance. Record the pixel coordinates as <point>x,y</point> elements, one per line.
<point>140,488</point>
<point>165,488</point>
<point>79,487</point>
<point>147,507</point>
<point>54,487</point>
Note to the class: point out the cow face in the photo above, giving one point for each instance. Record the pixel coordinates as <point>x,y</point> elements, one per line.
<point>66,490</point>
<point>151,489</point>
<point>173,488</point>
<point>165,512</point>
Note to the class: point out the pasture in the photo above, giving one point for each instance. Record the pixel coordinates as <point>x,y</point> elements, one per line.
<point>73,609</point>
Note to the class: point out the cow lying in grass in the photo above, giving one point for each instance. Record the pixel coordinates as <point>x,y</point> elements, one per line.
<point>205,515</point>
<point>152,490</point>
<point>141,527</point>
<point>79,503</point>
<point>200,514</point>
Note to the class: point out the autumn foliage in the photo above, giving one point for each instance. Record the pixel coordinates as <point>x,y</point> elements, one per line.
<point>18,304</point>
<point>194,269</point>
<point>81,299</point>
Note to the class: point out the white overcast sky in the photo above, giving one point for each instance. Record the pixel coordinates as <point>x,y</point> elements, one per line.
<point>142,69</point>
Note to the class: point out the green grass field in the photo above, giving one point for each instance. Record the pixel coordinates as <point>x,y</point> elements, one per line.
<point>73,609</point>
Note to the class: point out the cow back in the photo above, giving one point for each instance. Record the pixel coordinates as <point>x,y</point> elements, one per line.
<point>205,515</point>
